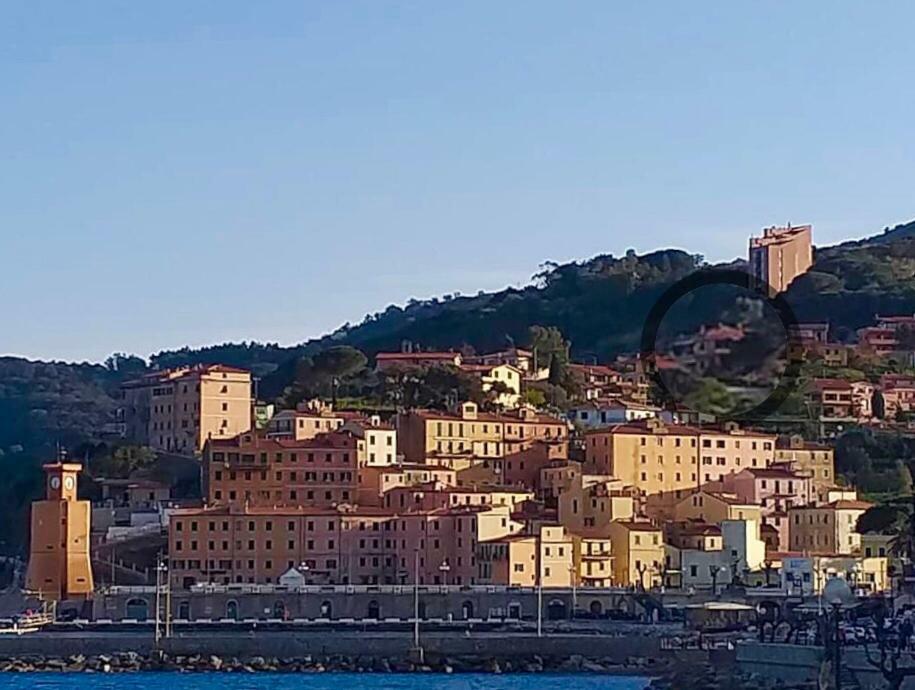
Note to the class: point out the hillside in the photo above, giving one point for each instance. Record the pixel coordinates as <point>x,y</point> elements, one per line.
<point>599,305</point>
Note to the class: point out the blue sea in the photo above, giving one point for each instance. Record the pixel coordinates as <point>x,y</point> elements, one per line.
<point>316,681</point>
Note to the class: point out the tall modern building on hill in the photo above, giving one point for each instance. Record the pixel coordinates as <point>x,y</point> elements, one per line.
<point>781,254</point>
<point>178,410</point>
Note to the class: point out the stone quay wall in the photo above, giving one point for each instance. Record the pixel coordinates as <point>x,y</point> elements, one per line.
<point>248,644</point>
<point>359,604</point>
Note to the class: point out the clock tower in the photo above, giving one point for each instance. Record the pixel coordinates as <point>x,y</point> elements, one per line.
<point>59,562</point>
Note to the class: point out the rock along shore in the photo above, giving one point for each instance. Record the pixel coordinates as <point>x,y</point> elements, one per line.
<point>133,662</point>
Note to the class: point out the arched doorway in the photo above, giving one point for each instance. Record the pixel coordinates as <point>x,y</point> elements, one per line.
<point>556,610</point>
<point>232,610</point>
<point>279,610</point>
<point>184,611</point>
<point>467,610</point>
<point>326,610</point>
<point>595,608</point>
<point>137,609</point>
<point>374,611</point>
<point>514,611</point>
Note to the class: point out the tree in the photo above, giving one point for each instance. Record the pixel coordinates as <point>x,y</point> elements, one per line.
<point>126,366</point>
<point>893,659</point>
<point>534,397</point>
<point>342,361</point>
<point>549,346</point>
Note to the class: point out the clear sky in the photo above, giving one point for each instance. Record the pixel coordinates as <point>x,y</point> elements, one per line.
<point>190,172</point>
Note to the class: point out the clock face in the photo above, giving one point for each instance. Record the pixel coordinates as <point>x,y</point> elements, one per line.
<point>55,482</point>
<point>68,483</point>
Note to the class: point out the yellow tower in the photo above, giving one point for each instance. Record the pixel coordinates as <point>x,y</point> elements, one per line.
<point>59,563</point>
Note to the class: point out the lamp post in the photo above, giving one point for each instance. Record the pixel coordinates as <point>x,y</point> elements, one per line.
<point>539,587</point>
<point>304,569</point>
<point>573,578</point>
<point>713,571</point>
<point>416,599</point>
<point>161,570</point>
<point>444,569</point>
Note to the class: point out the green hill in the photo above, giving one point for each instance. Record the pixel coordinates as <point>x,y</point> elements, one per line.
<point>599,305</point>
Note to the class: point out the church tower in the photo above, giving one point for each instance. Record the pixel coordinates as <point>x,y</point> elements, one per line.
<point>59,563</point>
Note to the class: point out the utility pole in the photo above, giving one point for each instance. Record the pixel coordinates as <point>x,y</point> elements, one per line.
<point>416,598</point>
<point>540,584</point>
<point>573,576</point>
<point>158,633</point>
<point>168,600</point>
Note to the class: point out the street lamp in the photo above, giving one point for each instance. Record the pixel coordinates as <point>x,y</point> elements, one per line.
<point>304,569</point>
<point>162,573</point>
<point>573,578</point>
<point>540,586</point>
<point>416,601</point>
<point>713,571</point>
<point>444,568</point>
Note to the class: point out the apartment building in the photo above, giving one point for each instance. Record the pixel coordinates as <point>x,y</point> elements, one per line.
<point>307,420</point>
<point>257,471</point>
<point>603,412</point>
<point>375,481</point>
<point>741,551</point>
<point>230,544</point>
<point>650,455</point>
<point>826,529</point>
<point>732,449</point>
<point>775,489</point>
<point>178,410</point>
<point>434,496</point>
<point>898,394</point>
<point>544,556</point>
<point>468,432</point>
<point>504,378</point>
<point>671,459</point>
<point>523,360</point>
<point>586,507</point>
<point>781,255</point>
<point>592,561</point>
<point>814,460</point>
<point>385,361</point>
<point>638,553</point>
<point>713,507</point>
<point>838,400</point>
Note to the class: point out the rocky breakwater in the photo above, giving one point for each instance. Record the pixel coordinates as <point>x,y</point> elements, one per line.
<point>719,677</point>
<point>131,661</point>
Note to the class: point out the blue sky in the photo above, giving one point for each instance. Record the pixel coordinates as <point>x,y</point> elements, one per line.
<point>194,172</point>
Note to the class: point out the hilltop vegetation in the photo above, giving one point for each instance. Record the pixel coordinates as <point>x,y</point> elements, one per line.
<point>599,305</point>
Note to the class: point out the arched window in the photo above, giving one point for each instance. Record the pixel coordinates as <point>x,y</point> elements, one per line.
<point>232,610</point>
<point>467,610</point>
<point>556,610</point>
<point>374,610</point>
<point>137,609</point>
<point>326,610</point>
<point>184,611</point>
<point>279,610</point>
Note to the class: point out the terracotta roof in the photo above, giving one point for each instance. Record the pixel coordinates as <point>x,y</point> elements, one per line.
<point>178,373</point>
<point>505,418</point>
<point>773,473</point>
<point>830,384</point>
<point>637,525</point>
<point>844,504</point>
<point>417,355</point>
<point>258,443</point>
<point>730,499</point>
